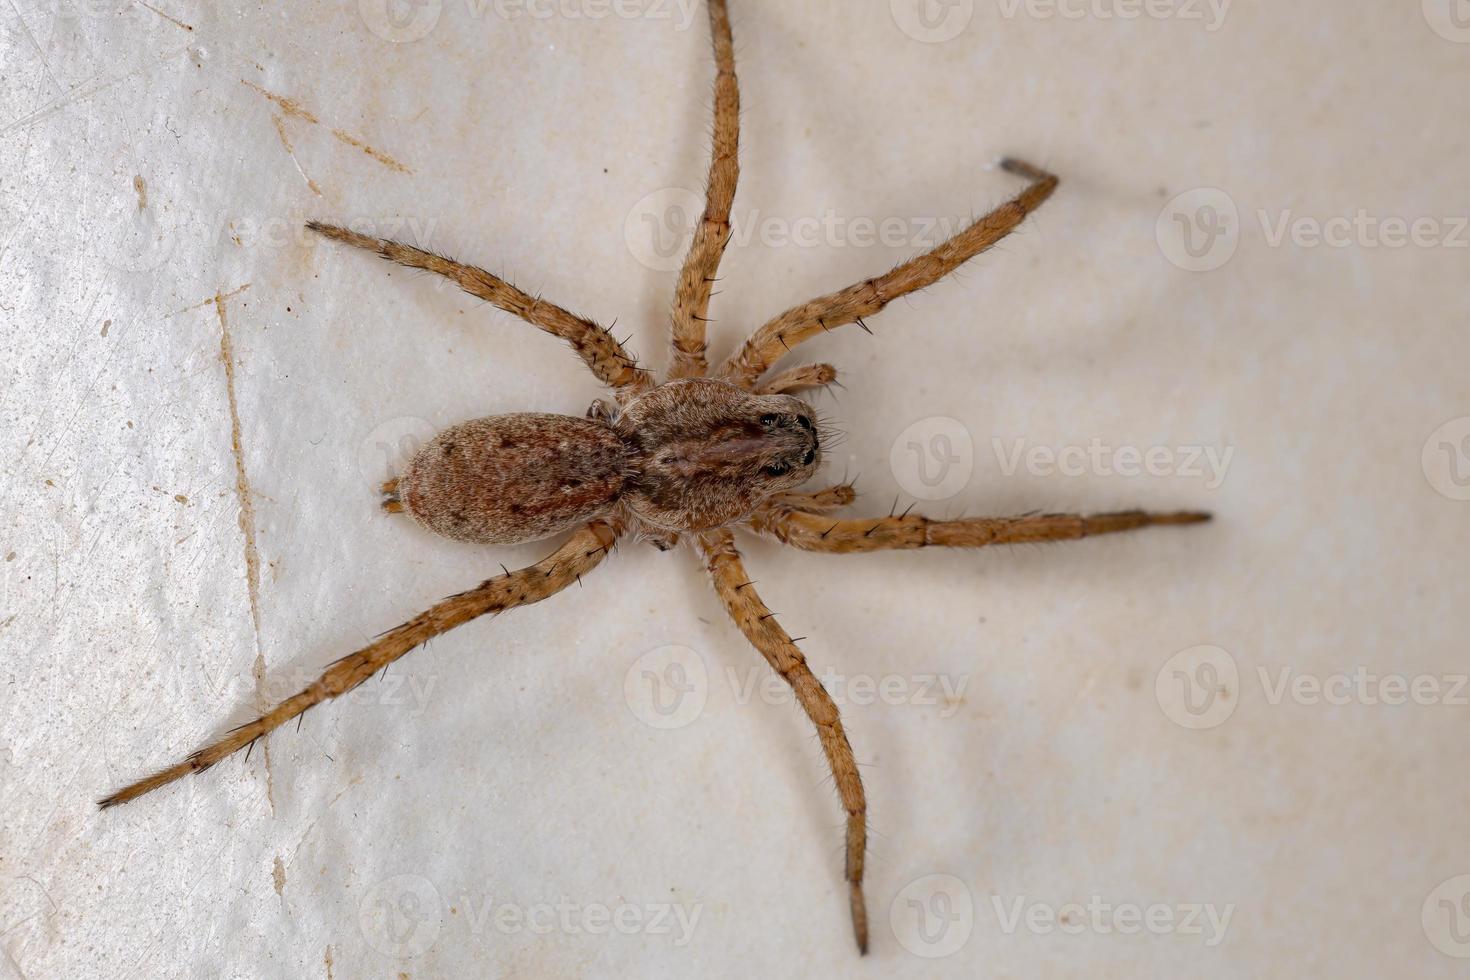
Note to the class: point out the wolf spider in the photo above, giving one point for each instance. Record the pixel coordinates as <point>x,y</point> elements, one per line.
<point>689,460</point>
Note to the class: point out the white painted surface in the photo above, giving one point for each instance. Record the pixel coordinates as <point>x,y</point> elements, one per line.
<point>503,767</point>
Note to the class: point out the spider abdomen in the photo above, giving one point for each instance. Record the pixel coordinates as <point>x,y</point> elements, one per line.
<point>511,478</point>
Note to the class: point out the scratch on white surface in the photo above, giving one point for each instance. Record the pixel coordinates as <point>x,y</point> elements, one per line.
<point>293,108</point>
<point>327,958</point>
<point>22,974</point>
<point>158,936</point>
<point>247,524</point>
<point>11,237</point>
<point>291,152</point>
<point>40,52</point>
<point>80,93</point>
<point>77,407</point>
<point>168,17</point>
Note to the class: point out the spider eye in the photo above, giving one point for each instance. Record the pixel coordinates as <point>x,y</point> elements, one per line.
<point>769,420</point>
<point>777,469</point>
<point>803,421</point>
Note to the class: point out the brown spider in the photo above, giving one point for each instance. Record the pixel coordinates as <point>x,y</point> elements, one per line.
<point>695,456</point>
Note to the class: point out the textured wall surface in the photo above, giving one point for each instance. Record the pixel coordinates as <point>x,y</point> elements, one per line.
<point>1228,751</point>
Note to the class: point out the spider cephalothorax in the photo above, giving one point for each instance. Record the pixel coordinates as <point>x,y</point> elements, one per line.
<point>705,453</point>
<point>695,458</point>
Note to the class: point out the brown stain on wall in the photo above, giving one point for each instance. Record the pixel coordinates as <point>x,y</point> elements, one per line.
<point>168,17</point>
<point>280,125</point>
<point>247,523</point>
<point>292,108</point>
<point>213,300</point>
<point>371,151</point>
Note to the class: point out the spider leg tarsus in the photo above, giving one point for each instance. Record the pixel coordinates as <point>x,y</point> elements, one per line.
<point>1022,169</point>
